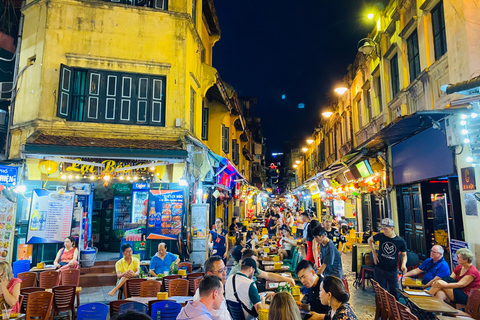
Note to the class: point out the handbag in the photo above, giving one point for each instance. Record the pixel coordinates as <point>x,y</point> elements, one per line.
<point>62,263</point>
<point>253,312</point>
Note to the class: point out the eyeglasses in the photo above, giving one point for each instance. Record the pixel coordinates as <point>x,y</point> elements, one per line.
<point>221,270</point>
<point>434,251</point>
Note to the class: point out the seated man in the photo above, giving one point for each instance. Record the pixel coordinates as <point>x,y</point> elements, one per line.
<point>269,276</point>
<point>215,266</point>
<point>331,261</point>
<point>211,297</point>
<point>162,260</point>
<point>306,274</point>
<point>240,288</point>
<point>435,267</point>
<point>128,267</point>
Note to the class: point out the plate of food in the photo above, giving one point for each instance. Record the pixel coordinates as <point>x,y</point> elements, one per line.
<point>177,206</point>
<point>166,218</point>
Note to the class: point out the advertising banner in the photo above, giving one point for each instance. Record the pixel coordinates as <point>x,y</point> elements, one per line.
<point>50,216</point>
<point>165,214</point>
<point>8,175</point>
<point>7,228</point>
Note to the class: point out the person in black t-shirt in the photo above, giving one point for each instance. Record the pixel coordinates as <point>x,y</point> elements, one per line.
<point>386,261</point>
<point>333,233</point>
<point>306,274</point>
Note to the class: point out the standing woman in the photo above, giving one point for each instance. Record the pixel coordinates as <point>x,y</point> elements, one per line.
<point>67,257</point>
<point>218,240</point>
<point>9,288</point>
<point>334,294</point>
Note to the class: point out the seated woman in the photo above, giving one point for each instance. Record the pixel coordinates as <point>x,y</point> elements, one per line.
<point>240,243</point>
<point>283,307</point>
<point>464,278</point>
<point>286,243</point>
<point>67,257</point>
<point>9,287</point>
<point>334,294</point>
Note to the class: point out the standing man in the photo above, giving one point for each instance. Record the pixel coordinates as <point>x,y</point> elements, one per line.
<point>127,268</point>
<point>162,260</point>
<point>435,267</point>
<point>240,288</point>
<point>211,297</point>
<point>272,226</point>
<point>333,233</point>
<point>331,261</point>
<point>306,274</point>
<point>215,266</point>
<point>386,261</point>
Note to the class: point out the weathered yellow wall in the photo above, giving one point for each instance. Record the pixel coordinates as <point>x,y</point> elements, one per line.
<point>107,36</point>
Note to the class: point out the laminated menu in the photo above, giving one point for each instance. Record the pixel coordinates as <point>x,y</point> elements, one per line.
<point>7,228</point>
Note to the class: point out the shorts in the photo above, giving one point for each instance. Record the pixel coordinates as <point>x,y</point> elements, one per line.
<point>459,296</point>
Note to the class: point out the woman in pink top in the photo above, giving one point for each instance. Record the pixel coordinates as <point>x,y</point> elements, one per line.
<point>465,277</point>
<point>9,287</point>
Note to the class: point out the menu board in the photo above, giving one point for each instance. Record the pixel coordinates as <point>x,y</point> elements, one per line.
<point>165,213</point>
<point>50,216</point>
<point>7,228</point>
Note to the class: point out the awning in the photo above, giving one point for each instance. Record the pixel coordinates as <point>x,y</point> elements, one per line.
<point>76,146</point>
<point>469,87</point>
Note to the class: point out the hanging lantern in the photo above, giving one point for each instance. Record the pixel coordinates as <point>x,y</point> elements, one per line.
<point>369,189</point>
<point>377,166</point>
<point>376,179</point>
<point>48,166</point>
<point>160,171</point>
<point>344,198</point>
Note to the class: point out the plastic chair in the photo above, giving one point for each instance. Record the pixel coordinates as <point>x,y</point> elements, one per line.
<point>166,280</point>
<point>186,264</point>
<point>39,305</point>
<point>64,299</point>
<point>178,287</point>
<point>92,311</point>
<point>115,306</point>
<point>169,310</point>
<point>236,310</point>
<point>71,277</point>
<point>191,277</point>
<point>405,313</point>
<point>132,287</point>
<point>20,266</point>
<point>29,279</point>
<point>149,288</point>
<point>381,309</point>
<point>25,292</point>
<point>48,279</point>
<point>133,305</point>
<point>392,306</point>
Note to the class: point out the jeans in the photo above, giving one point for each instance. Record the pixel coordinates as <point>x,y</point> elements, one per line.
<point>387,280</point>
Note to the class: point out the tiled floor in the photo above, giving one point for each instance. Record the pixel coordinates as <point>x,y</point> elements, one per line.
<point>362,301</point>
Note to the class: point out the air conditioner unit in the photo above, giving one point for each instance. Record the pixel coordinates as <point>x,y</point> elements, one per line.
<point>452,131</point>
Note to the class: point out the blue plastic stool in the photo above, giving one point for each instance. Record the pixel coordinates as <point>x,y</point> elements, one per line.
<point>168,310</point>
<point>92,311</point>
<point>20,266</point>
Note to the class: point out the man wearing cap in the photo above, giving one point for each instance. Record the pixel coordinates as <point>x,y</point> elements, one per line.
<point>435,267</point>
<point>386,261</point>
<point>240,288</point>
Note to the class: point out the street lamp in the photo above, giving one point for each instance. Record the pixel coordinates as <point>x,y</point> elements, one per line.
<point>340,90</point>
<point>297,161</point>
<point>327,113</point>
<point>368,46</point>
<point>310,141</point>
<point>295,166</point>
<point>304,149</point>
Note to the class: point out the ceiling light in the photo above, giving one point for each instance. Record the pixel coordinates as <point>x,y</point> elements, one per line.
<point>474,115</point>
<point>469,159</point>
<point>466,140</point>
<point>464,116</point>
<point>464,131</point>
<point>463,122</point>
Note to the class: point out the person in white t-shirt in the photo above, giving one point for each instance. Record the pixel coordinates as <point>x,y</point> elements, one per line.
<point>215,266</point>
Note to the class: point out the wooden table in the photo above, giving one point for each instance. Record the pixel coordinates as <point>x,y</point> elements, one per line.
<point>77,290</point>
<point>270,262</point>
<point>146,300</point>
<point>453,318</point>
<point>35,269</point>
<point>145,262</point>
<point>267,258</point>
<point>427,307</point>
<point>272,269</point>
<point>412,283</point>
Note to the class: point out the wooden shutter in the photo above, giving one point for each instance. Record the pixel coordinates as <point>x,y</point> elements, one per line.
<point>64,92</point>
<point>204,123</point>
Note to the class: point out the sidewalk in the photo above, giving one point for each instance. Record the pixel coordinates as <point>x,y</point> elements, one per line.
<point>361,301</point>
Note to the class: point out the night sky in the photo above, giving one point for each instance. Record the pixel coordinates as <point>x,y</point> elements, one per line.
<point>298,48</point>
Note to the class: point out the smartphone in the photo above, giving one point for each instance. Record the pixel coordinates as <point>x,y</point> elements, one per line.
<point>263,294</point>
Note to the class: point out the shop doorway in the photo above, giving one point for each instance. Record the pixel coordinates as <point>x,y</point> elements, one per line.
<point>413,225</point>
<point>373,211</point>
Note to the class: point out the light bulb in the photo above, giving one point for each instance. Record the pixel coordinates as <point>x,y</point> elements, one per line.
<point>70,177</point>
<point>121,178</point>
<point>135,178</point>
<point>64,177</point>
<point>463,122</point>
<point>474,115</point>
<point>464,116</point>
<point>92,177</point>
<point>474,165</point>
<point>464,131</point>
<point>466,140</point>
<point>469,159</point>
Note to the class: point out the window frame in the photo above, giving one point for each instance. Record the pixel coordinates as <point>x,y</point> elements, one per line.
<point>413,51</point>
<point>394,76</point>
<point>439,48</point>
<point>205,113</point>
<point>80,93</point>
